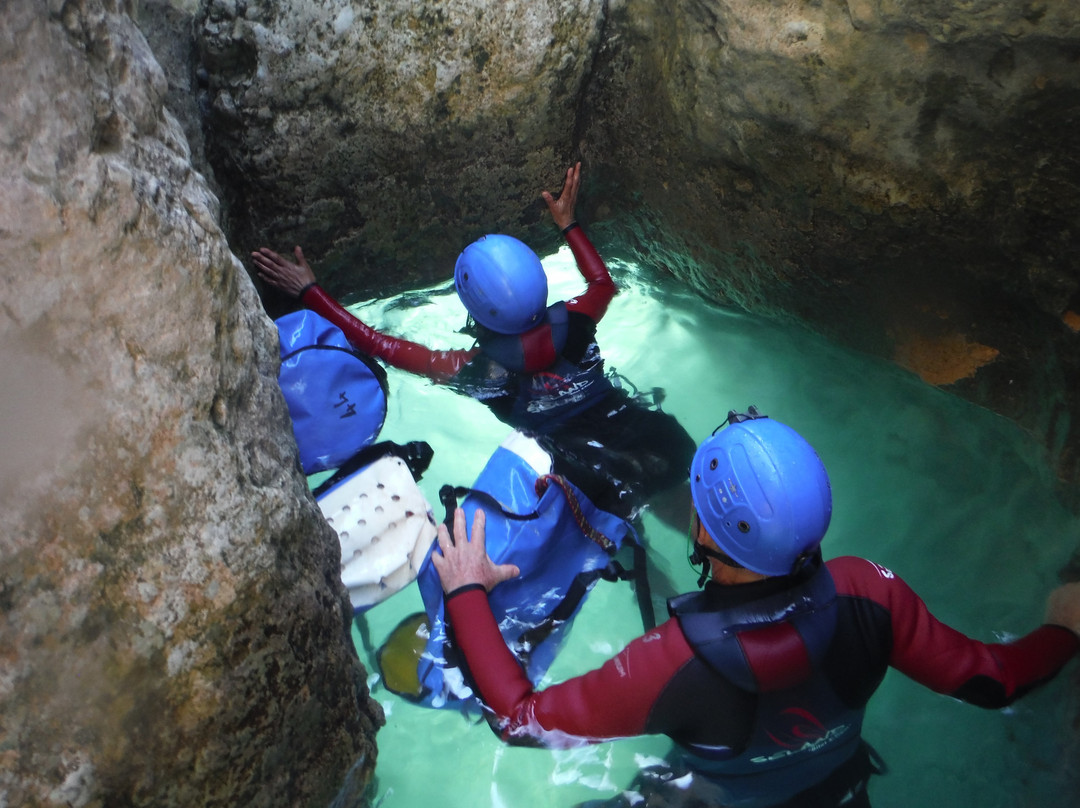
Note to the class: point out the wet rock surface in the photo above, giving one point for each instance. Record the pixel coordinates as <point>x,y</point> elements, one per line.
<point>887,173</point>
<point>877,170</point>
<point>174,629</point>
<point>387,136</point>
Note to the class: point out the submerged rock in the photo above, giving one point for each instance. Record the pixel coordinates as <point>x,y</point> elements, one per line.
<point>175,632</point>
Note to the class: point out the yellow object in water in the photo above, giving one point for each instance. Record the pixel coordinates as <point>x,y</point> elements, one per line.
<point>399,657</point>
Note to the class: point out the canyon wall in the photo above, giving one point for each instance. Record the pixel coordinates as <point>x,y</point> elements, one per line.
<point>174,628</point>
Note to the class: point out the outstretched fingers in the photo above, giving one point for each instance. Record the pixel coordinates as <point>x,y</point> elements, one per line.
<point>462,561</point>
<point>478,542</point>
<point>282,273</point>
<point>573,181</point>
<point>1063,607</point>
<point>562,209</point>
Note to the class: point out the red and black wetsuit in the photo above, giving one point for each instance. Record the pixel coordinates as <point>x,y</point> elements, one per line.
<point>766,702</point>
<point>444,366</point>
<point>615,450</point>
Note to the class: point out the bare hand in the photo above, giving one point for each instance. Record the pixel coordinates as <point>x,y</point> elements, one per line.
<point>462,561</point>
<point>562,209</point>
<point>1063,607</point>
<point>281,272</point>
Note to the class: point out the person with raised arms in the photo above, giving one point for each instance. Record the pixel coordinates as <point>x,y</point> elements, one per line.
<point>537,366</point>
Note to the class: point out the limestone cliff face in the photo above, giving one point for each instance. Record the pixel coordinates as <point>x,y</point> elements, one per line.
<point>174,631</point>
<point>902,176</point>
<point>391,134</point>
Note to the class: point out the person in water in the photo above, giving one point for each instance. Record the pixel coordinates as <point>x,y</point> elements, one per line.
<point>761,678</point>
<point>537,366</point>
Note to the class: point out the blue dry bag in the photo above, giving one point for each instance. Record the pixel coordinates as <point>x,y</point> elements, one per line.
<point>336,395</point>
<point>560,541</point>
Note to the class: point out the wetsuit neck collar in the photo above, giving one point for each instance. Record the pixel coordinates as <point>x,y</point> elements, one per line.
<point>762,636</point>
<point>721,595</point>
<point>531,350</point>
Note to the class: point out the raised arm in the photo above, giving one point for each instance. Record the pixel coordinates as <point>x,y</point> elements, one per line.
<point>945,660</point>
<point>298,280</point>
<point>601,288</point>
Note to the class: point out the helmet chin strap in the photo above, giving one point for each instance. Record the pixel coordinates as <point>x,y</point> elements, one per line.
<point>702,554</point>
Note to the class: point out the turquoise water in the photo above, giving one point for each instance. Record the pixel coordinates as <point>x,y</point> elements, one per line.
<point>954,499</point>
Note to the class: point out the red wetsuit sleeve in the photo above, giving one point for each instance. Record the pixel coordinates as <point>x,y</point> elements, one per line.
<point>438,365</point>
<point>945,660</point>
<point>612,701</point>
<point>601,288</point>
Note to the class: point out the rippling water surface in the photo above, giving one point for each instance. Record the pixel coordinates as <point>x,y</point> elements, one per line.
<point>954,499</point>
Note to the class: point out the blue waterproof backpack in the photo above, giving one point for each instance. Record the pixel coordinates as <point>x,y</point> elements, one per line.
<point>561,542</point>
<point>336,395</point>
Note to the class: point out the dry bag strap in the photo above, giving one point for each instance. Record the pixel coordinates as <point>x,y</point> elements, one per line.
<point>416,454</point>
<point>592,533</point>
<point>449,494</point>
<point>640,575</point>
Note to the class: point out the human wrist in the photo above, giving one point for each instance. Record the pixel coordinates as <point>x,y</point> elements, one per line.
<point>571,226</point>
<point>463,588</point>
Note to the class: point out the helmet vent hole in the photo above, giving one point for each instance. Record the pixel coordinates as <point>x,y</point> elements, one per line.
<point>744,526</point>
<point>713,464</point>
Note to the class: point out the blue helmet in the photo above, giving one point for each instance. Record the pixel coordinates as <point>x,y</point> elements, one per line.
<point>502,284</point>
<point>762,494</point>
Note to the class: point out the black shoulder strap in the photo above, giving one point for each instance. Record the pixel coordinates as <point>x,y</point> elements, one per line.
<point>417,456</point>
<point>449,494</point>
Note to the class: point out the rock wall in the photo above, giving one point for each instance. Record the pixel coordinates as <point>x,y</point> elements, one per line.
<point>386,136</point>
<point>174,628</point>
<point>900,176</point>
